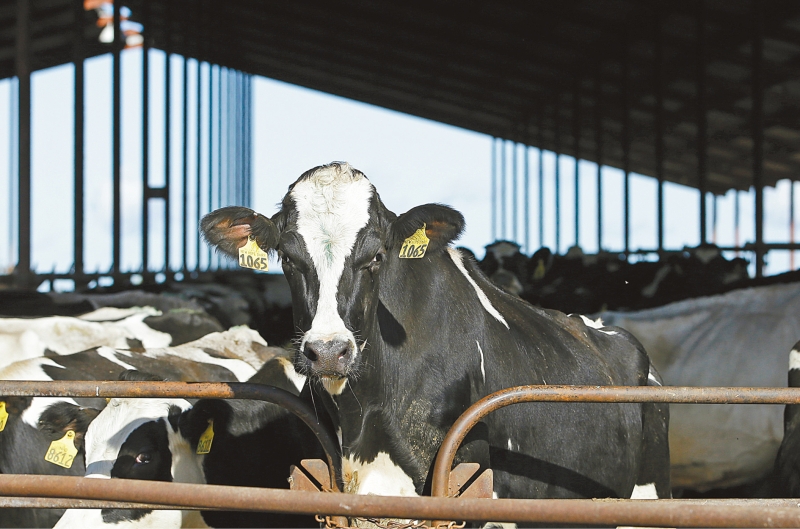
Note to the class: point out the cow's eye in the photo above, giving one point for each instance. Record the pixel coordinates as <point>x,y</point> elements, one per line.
<point>285,259</point>
<point>376,261</point>
<point>142,458</point>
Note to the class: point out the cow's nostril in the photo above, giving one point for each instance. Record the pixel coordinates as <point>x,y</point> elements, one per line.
<point>310,353</point>
<point>344,352</point>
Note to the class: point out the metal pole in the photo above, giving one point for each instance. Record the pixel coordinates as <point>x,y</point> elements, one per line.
<point>757,16</point>
<point>556,127</point>
<point>23,71</point>
<point>659,124</point>
<point>117,143</point>
<point>626,144</point>
<point>167,135</point>
<point>598,134</point>
<point>702,119</point>
<point>576,138</point>
<point>146,136</point>
<point>78,117</point>
<point>514,194</point>
<point>540,133</point>
<point>502,188</point>
<point>185,186</point>
<point>198,189</point>
<point>210,152</point>
<point>494,188</point>
<point>527,177</point>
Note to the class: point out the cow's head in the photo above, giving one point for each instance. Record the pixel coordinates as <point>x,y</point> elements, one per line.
<point>333,236</point>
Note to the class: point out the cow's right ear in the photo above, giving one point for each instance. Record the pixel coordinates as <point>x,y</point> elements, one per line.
<point>228,229</point>
<point>194,421</point>
<point>56,420</point>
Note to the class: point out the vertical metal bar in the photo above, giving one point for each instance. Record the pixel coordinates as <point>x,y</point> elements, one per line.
<point>758,129</point>
<point>659,124</point>
<point>556,127</point>
<point>185,186</point>
<point>702,119</point>
<point>527,191</point>
<point>494,188</point>
<point>598,138</point>
<point>540,133</point>
<point>78,123</point>
<point>23,71</point>
<point>167,135</point>
<point>502,188</point>
<point>791,223</point>
<point>210,149</point>
<point>714,219</point>
<point>146,136</point>
<point>736,220</point>
<point>117,142</point>
<point>198,188</point>
<point>576,138</point>
<point>514,193</point>
<point>249,157</point>
<point>626,144</point>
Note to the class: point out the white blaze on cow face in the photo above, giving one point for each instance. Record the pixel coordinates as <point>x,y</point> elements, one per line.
<point>332,207</point>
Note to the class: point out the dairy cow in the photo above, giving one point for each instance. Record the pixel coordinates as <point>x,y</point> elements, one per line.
<point>233,355</point>
<point>254,444</point>
<point>404,333</point>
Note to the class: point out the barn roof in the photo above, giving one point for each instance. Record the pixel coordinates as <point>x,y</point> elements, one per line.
<point>643,74</point>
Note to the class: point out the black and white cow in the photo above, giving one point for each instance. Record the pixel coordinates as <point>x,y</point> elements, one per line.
<point>787,462</point>
<point>254,445</point>
<point>232,356</point>
<point>405,345</point>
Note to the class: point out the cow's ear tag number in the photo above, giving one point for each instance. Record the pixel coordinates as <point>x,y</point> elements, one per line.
<point>415,246</point>
<point>252,256</point>
<point>3,416</point>
<point>204,444</point>
<point>62,451</point>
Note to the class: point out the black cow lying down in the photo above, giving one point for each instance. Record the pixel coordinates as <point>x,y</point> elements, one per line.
<point>405,333</point>
<point>254,443</point>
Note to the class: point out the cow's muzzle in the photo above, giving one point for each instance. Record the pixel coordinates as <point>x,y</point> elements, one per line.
<point>329,358</point>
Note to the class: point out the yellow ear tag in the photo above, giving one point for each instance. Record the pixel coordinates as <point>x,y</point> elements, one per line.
<point>62,452</point>
<point>540,270</point>
<point>415,246</point>
<point>3,416</point>
<point>252,256</point>
<point>204,444</point>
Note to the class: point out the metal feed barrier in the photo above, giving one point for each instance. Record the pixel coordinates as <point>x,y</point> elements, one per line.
<point>76,492</point>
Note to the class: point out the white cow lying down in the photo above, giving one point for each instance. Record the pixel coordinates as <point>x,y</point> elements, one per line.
<point>741,338</point>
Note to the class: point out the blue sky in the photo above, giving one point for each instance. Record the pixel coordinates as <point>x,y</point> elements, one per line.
<point>410,160</point>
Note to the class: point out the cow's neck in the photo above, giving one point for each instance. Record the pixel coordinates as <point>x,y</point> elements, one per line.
<point>388,420</point>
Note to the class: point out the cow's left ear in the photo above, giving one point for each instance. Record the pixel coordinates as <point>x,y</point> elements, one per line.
<point>228,229</point>
<point>194,421</point>
<point>442,223</point>
<point>61,417</point>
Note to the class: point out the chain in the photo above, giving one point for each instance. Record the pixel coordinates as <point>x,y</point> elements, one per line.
<point>384,523</point>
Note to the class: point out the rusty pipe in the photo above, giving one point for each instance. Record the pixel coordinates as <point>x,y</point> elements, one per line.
<point>663,513</point>
<point>594,394</point>
<point>186,390</point>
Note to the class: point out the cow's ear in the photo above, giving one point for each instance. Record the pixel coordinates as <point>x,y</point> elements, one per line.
<point>56,420</point>
<point>194,422</point>
<point>442,224</point>
<point>16,405</point>
<point>228,229</point>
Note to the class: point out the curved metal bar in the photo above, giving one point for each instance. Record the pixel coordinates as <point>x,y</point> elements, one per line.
<point>187,390</point>
<point>608,394</point>
<point>662,513</point>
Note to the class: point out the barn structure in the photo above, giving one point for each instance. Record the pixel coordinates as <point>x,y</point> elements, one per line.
<point>701,93</point>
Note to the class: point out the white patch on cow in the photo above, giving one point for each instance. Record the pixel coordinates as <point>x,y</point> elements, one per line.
<point>115,313</point>
<point>644,492</point>
<point>111,355</point>
<point>294,377</point>
<point>83,518</point>
<point>195,351</point>
<point>32,370</point>
<point>483,371</point>
<point>381,477</point>
<point>794,359</point>
<point>334,386</point>
<point>597,324</point>
<point>240,342</point>
<point>651,376</point>
<point>510,444</point>
<point>456,256</point>
<point>332,207</point>
<point>650,290</point>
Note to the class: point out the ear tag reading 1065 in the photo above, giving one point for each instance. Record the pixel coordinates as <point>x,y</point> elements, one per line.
<point>62,452</point>
<point>415,246</point>
<point>204,444</point>
<point>3,416</point>
<point>252,256</point>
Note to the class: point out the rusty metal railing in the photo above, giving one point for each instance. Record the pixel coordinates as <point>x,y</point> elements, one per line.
<point>673,513</point>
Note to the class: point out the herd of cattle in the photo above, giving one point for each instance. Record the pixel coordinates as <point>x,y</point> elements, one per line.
<point>390,345</point>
